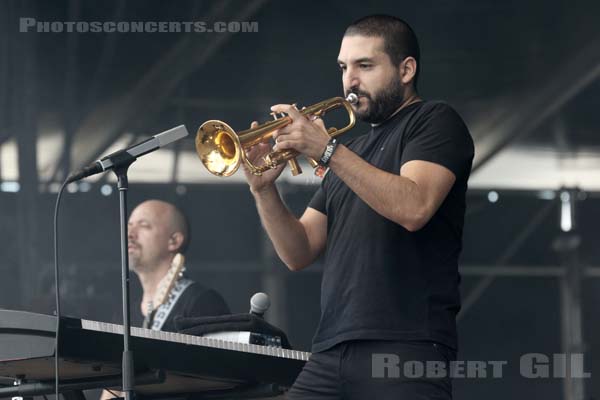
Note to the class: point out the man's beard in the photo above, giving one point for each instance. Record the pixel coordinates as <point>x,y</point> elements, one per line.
<point>134,263</point>
<point>383,104</point>
<point>135,259</point>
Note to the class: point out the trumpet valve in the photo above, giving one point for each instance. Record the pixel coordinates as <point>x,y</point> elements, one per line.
<point>294,167</point>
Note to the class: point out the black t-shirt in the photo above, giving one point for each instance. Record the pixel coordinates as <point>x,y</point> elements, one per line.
<point>196,301</point>
<point>381,281</point>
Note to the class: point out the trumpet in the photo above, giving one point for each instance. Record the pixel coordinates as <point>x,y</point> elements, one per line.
<point>222,150</point>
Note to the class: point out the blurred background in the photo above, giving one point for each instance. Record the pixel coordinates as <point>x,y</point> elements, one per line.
<point>523,74</point>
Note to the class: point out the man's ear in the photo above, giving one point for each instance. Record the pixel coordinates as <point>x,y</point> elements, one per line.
<point>408,70</point>
<point>175,241</point>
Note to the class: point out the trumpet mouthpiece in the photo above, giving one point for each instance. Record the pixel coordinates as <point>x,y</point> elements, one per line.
<point>352,98</point>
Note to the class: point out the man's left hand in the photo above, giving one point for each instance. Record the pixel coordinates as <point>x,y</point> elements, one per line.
<point>306,135</point>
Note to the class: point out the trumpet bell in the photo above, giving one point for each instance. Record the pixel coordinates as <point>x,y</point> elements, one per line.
<point>218,146</point>
<point>222,150</point>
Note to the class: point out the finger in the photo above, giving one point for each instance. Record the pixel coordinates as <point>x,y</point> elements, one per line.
<point>250,152</point>
<point>319,122</point>
<point>280,167</point>
<point>259,148</point>
<point>254,124</point>
<point>288,109</point>
<point>286,136</point>
<point>285,144</point>
<point>286,130</point>
<point>279,108</point>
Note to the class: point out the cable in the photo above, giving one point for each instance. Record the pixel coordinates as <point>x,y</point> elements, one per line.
<point>57,288</point>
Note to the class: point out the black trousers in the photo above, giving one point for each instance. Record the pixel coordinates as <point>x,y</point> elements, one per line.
<point>366,369</point>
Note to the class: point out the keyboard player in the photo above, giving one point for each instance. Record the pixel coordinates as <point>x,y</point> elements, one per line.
<point>158,235</point>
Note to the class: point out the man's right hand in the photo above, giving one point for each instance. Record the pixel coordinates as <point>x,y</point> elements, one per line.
<point>111,394</point>
<point>267,179</point>
<point>297,242</point>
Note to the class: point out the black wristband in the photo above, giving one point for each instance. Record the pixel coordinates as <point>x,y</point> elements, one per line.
<point>329,149</point>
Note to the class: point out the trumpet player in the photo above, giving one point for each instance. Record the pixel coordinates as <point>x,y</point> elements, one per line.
<point>388,219</point>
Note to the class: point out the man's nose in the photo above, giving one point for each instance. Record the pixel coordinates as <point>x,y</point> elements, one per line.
<point>131,232</point>
<point>351,79</point>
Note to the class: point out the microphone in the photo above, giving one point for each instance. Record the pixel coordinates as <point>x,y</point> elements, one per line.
<point>130,154</point>
<point>259,304</point>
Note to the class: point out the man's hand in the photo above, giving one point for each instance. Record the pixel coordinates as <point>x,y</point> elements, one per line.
<point>112,394</point>
<point>307,136</point>
<point>267,179</point>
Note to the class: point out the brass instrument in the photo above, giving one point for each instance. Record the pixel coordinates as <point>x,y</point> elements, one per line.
<point>222,150</point>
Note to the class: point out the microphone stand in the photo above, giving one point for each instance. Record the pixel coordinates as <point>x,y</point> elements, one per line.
<point>119,162</point>
<point>124,160</point>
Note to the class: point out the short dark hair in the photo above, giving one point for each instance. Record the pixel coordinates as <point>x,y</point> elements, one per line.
<point>399,38</point>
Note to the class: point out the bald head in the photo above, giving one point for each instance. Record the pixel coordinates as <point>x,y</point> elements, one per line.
<point>169,217</point>
<point>157,230</point>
